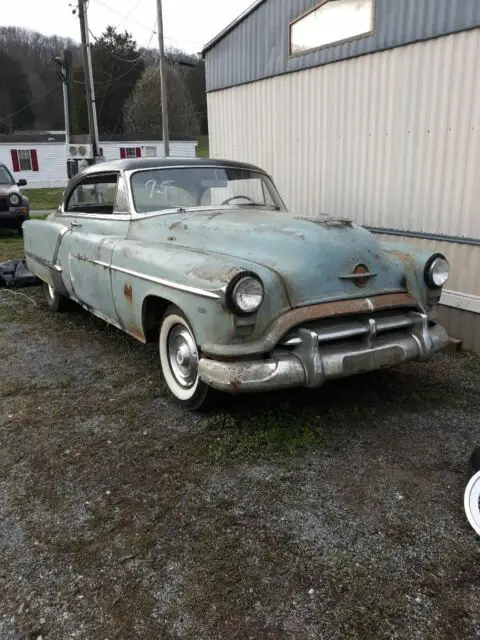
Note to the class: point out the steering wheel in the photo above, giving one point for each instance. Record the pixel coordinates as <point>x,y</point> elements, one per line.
<point>228,200</point>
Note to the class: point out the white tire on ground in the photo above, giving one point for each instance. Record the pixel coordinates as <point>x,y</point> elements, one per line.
<point>471,502</point>
<point>56,302</point>
<point>179,358</point>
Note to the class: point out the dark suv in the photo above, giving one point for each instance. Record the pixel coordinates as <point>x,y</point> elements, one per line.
<point>14,207</point>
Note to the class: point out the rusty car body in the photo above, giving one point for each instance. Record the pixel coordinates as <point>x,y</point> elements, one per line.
<point>242,295</point>
<point>14,206</point>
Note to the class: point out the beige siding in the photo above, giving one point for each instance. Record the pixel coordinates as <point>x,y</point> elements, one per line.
<point>389,139</point>
<point>463,325</point>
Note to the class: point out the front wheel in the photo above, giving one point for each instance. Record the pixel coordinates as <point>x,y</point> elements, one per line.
<point>179,359</point>
<point>56,302</point>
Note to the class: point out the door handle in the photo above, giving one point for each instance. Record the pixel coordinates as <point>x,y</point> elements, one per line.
<point>75,224</point>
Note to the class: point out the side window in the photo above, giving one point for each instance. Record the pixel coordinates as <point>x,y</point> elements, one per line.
<point>95,194</point>
<point>330,22</point>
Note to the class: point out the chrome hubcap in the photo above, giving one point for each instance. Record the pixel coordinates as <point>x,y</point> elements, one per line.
<point>183,356</point>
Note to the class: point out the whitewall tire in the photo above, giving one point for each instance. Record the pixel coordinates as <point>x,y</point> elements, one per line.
<point>55,301</point>
<point>471,502</point>
<point>179,357</point>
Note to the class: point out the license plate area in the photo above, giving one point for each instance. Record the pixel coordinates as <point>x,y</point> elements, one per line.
<point>371,360</point>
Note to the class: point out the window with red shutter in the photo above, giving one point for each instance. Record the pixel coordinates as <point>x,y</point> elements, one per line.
<point>123,152</point>
<point>15,162</point>
<point>34,159</point>
<point>138,152</point>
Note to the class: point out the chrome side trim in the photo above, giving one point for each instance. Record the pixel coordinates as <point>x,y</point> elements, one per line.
<point>46,263</point>
<point>204,293</point>
<point>358,276</point>
<point>439,237</point>
<point>62,233</point>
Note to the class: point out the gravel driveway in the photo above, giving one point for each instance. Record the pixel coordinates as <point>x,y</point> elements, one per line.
<point>334,514</point>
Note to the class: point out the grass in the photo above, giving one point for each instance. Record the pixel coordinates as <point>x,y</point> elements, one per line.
<point>203,147</point>
<point>274,435</point>
<point>43,198</point>
<point>11,245</point>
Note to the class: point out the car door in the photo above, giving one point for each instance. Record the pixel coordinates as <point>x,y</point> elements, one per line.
<point>96,211</point>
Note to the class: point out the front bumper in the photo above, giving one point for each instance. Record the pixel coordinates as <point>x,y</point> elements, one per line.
<point>14,218</point>
<point>315,359</point>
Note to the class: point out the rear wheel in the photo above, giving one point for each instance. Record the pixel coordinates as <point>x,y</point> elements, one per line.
<point>56,302</point>
<point>179,358</point>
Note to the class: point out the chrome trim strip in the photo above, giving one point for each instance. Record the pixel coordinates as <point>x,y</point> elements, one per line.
<point>136,215</point>
<point>59,240</point>
<point>46,263</point>
<point>358,276</point>
<point>205,293</point>
<point>439,237</point>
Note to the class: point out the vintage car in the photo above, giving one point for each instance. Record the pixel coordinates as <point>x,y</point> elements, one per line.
<point>14,207</point>
<point>241,294</point>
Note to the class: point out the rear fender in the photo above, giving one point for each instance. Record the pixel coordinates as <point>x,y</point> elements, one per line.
<point>42,240</point>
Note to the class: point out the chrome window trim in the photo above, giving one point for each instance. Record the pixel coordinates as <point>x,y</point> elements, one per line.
<point>135,215</point>
<point>95,216</point>
<point>205,293</point>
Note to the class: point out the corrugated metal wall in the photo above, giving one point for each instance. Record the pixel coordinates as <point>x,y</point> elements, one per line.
<point>258,46</point>
<point>461,325</point>
<point>390,139</point>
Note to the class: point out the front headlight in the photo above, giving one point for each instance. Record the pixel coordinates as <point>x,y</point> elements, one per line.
<point>246,294</point>
<point>437,271</point>
<point>14,200</point>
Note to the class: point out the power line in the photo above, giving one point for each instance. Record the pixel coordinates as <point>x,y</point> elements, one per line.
<point>132,60</point>
<point>139,24</point>
<point>29,104</point>
<point>127,15</point>
<point>119,13</point>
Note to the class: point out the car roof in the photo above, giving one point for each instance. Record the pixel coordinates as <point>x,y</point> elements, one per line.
<point>135,164</point>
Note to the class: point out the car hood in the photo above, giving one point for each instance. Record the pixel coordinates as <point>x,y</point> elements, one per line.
<point>315,256</point>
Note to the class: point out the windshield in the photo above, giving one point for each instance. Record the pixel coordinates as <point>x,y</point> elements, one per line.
<point>158,189</point>
<point>5,176</point>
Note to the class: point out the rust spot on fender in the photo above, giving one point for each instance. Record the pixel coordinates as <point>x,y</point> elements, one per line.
<point>128,292</point>
<point>135,332</point>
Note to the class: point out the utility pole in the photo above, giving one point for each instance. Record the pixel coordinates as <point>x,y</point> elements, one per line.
<point>63,72</point>
<point>163,80</point>
<point>88,71</point>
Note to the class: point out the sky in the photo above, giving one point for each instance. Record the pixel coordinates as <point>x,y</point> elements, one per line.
<point>188,24</point>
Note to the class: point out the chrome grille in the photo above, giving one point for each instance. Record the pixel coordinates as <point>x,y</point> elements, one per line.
<point>352,327</point>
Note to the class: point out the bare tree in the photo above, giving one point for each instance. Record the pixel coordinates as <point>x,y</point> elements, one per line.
<point>142,112</point>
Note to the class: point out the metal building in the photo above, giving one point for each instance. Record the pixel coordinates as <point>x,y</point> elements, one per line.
<point>368,109</point>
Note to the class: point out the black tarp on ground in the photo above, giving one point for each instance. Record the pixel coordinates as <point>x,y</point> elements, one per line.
<point>14,273</point>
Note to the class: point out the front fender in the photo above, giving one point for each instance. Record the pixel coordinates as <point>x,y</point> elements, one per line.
<point>413,263</point>
<point>193,280</point>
